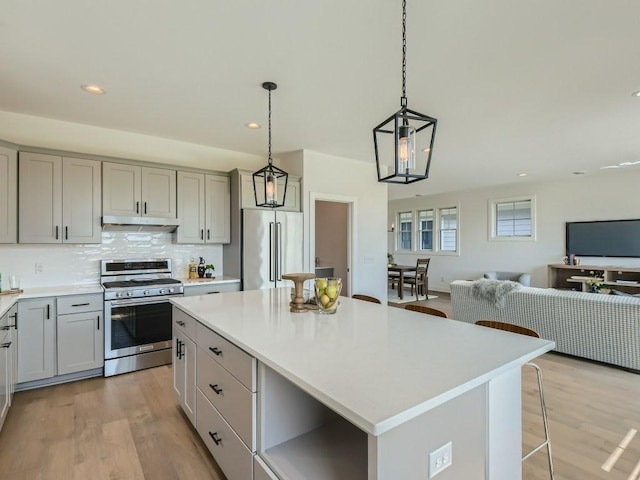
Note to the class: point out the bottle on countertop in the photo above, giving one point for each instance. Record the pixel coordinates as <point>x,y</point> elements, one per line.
<point>193,269</point>
<point>201,268</point>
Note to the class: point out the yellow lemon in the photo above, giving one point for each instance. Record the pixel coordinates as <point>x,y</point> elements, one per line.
<point>331,292</point>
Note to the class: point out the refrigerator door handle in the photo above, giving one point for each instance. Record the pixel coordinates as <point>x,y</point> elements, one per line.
<point>279,251</point>
<point>271,252</point>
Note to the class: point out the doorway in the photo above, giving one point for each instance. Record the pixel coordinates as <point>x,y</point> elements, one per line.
<point>331,248</point>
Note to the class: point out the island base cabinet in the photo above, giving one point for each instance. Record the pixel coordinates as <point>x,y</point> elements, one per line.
<point>233,457</point>
<point>184,373</point>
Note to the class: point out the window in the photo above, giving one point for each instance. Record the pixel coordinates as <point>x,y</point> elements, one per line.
<point>449,229</point>
<point>405,230</point>
<point>513,219</point>
<point>425,229</point>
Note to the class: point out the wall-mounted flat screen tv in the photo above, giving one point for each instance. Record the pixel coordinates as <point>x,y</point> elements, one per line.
<point>611,238</point>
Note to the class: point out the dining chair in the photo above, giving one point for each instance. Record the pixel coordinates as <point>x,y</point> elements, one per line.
<point>427,310</point>
<point>510,327</point>
<point>419,281</point>
<point>366,298</point>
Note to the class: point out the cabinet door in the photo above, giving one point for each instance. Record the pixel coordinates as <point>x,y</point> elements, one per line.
<point>80,342</point>
<point>158,193</point>
<point>121,189</point>
<point>81,200</point>
<point>191,208</point>
<point>184,373</point>
<point>13,322</point>
<point>218,208</point>
<point>40,198</point>
<point>8,195</point>
<point>36,332</point>
<point>5,374</point>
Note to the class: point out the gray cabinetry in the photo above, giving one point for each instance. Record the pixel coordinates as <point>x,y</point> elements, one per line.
<point>36,339</point>
<point>203,208</point>
<point>211,288</point>
<point>8,361</point>
<point>8,195</point>
<point>59,199</point>
<point>80,344</point>
<point>131,190</point>
<point>184,362</point>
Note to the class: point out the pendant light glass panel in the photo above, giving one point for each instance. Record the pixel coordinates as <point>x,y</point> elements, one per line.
<point>403,145</point>
<point>270,186</point>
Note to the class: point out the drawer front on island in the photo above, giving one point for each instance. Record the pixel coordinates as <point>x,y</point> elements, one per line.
<point>235,460</point>
<point>229,396</point>
<point>184,323</point>
<point>239,363</point>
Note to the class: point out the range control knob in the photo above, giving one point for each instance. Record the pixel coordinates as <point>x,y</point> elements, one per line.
<point>129,294</point>
<point>171,290</point>
<point>118,294</point>
<point>162,291</point>
<point>146,292</point>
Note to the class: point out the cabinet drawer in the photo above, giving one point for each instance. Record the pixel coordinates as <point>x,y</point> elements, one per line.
<point>183,322</point>
<point>239,363</point>
<point>211,288</point>
<point>229,396</point>
<point>235,460</point>
<point>79,303</point>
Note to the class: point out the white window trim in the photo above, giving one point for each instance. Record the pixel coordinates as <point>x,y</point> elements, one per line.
<point>433,231</point>
<point>492,219</point>
<point>436,232</point>
<point>399,231</point>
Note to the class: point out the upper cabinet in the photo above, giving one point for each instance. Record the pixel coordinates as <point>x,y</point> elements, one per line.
<point>291,200</point>
<point>8,195</point>
<point>203,208</point>
<point>59,199</point>
<point>130,190</point>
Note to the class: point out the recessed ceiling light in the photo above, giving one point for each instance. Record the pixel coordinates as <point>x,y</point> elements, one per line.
<point>95,89</point>
<point>252,125</point>
<point>636,94</point>
<point>522,174</point>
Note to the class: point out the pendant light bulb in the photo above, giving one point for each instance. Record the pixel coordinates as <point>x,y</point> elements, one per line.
<point>271,189</point>
<point>406,148</point>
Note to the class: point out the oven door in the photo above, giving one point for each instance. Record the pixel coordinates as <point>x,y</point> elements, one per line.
<point>136,326</point>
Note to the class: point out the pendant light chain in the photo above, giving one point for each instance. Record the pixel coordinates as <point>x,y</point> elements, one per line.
<point>270,161</point>
<point>404,53</point>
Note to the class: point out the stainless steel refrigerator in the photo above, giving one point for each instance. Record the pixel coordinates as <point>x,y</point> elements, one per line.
<point>271,246</point>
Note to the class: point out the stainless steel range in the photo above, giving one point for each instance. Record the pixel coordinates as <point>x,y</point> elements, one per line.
<point>137,313</point>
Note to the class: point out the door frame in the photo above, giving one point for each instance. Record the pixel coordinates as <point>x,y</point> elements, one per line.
<point>352,204</point>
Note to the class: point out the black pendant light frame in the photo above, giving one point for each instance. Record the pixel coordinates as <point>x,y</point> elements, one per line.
<point>270,173</point>
<point>399,124</point>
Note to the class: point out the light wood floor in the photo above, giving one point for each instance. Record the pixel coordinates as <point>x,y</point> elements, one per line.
<point>130,427</point>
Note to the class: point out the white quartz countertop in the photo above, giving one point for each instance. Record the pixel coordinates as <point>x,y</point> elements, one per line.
<point>6,301</point>
<point>187,282</point>
<point>377,366</point>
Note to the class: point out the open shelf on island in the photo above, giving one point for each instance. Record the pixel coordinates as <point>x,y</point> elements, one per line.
<point>334,451</point>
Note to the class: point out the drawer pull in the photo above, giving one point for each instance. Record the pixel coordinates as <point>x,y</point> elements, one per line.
<point>216,389</point>
<point>8,327</point>
<point>180,322</point>
<point>80,304</point>
<point>8,344</point>
<point>214,436</point>
<point>216,291</point>
<point>216,350</point>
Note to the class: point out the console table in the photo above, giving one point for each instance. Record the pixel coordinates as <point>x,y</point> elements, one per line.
<point>574,277</point>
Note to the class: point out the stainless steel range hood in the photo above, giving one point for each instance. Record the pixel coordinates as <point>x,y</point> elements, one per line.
<point>139,224</point>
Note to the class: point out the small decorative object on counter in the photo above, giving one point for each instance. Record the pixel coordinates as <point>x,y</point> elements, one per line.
<point>298,279</point>
<point>201,268</point>
<point>193,270</point>
<point>327,293</point>
<point>209,269</point>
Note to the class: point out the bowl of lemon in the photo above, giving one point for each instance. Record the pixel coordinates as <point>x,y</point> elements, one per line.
<point>327,293</point>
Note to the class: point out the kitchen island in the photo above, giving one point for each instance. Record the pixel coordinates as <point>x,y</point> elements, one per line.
<point>368,392</point>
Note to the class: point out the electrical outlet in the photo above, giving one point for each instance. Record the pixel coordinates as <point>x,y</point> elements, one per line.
<point>440,459</point>
<point>39,268</point>
<point>442,279</point>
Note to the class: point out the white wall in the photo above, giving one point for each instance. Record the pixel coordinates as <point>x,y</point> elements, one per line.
<point>330,175</point>
<point>80,264</point>
<point>601,196</point>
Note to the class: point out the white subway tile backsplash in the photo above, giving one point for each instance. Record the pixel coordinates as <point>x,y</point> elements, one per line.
<point>80,264</point>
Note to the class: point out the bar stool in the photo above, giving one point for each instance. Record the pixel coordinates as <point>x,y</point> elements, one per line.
<point>510,327</point>
<point>366,298</point>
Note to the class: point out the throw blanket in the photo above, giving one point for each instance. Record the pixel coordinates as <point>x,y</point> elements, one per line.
<point>494,291</point>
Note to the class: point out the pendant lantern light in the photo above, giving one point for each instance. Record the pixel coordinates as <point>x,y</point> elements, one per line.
<point>404,142</point>
<point>268,180</point>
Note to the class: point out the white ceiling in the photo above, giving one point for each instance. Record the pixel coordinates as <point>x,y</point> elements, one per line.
<point>537,86</point>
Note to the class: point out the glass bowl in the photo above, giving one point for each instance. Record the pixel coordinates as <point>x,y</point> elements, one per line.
<point>327,293</point>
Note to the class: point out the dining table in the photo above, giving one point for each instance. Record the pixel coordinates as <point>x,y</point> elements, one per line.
<point>401,270</point>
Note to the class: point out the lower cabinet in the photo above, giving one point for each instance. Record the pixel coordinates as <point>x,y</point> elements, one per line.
<point>36,339</point>
<point>184,373</point>
<point>222,379</point>
<point>59,336</point>
<point>191,290</point>
<point>8,360</point>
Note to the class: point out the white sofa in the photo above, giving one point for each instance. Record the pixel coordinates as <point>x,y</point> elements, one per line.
<point>605,328</point>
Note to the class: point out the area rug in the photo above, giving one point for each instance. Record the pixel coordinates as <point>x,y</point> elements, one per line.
<point>392,296</point>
